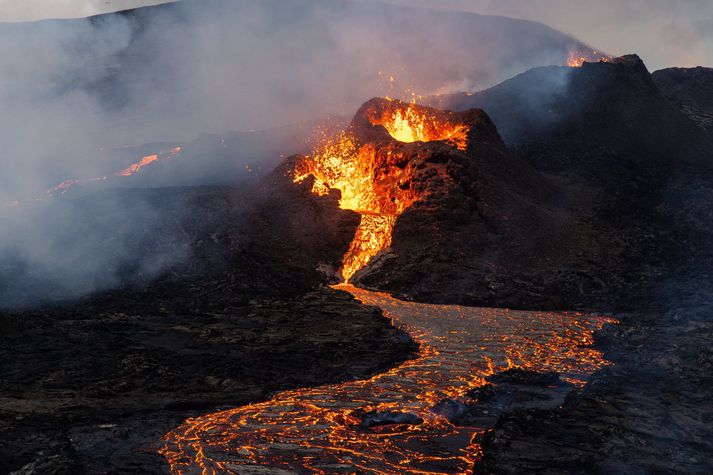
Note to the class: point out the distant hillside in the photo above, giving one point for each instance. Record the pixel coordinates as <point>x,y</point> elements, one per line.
<point>619,100</point>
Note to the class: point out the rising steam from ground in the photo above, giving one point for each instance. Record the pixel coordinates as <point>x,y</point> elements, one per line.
<point>70,89</point>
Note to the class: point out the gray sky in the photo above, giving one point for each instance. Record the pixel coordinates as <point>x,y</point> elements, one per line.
<point>20,10</point>
<point>663,32</point>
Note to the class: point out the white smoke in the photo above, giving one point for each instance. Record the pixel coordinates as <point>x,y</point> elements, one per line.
<point>70,89</point>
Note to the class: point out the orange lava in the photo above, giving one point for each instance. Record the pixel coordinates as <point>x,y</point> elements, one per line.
<point>577,58</point>
<point>372,236</point>
<point>412,125</point>
<point>342,163</point>
<point>315,430</point>
<point>135,167</point>
<point>66,185</point>
<point>147,160</point>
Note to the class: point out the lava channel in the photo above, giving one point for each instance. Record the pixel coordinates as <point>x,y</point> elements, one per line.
<point>317,430</point>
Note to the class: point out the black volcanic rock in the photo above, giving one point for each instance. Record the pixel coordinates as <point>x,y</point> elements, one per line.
<point>380,418</point>
<point>643,184</point>
<point>513,390</point>
<point>692,88</point>
<point>92,385</point>
<point>614,104</point>
<point>647,413</point>
<point>486,227</point>
<point>526,377</point>
<point>580,214</point>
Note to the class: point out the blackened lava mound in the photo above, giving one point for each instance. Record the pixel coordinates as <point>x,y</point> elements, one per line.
<point>614,105</point>
<point>692,88</point>
<point>583,213</point>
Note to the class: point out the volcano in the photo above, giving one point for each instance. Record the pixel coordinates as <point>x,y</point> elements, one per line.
<point>392,156</point>
<point>389,299</point>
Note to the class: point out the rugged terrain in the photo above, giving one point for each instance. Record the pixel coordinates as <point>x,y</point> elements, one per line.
<point>651,178</point>
<point>623,159</point>
<point>91,386</point>
<point>593,192</point>
<point>647,413</point>
<point>692,89</point>
<point>650,411</point>
<point>593,161</point>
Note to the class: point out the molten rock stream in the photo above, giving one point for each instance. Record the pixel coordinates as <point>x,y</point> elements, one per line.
<point>320,430</point>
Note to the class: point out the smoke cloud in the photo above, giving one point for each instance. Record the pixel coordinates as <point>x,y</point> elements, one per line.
<point>72,89</point>
<point>663,32</point>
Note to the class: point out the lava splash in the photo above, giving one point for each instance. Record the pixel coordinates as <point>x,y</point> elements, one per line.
<point>318,430</point>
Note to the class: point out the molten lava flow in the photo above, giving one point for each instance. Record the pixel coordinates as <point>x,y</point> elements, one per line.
<point>327,430</point>
<point>66,185</point>
<point>135,167</point>
<point>340,164</point>
<point>337,163</point>
<point>318,430</point>
<point>357,171</point>
<point>412,125</point>
<point>372,236</point>
<point>147,160</point>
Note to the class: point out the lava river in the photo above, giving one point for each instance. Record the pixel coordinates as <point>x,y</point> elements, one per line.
<point>316,430</point>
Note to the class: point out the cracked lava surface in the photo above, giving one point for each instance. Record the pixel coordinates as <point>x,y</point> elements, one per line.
<point>318,430</point>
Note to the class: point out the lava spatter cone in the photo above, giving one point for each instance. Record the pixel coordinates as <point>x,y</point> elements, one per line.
<point>392,156</point>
